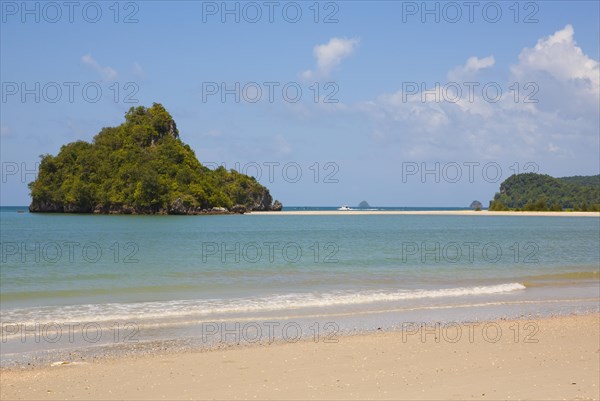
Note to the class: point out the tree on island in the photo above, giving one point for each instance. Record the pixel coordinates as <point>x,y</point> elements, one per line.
<point>541,192</point>
<point>141,167</point>
<point>364,205</point>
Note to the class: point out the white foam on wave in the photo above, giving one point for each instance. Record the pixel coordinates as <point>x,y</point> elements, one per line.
<point>205,307</point>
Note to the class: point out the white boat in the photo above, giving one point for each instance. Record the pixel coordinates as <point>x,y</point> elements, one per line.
<point>345,207</point>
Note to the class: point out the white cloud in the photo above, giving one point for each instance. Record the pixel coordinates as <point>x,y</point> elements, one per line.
<point>107,73</point>
<point>560,128</point>
<point>568,80</point>
<point>471,67</point>
<point>330,55</point>
<point>475,64</point>
<point>559,56</point>
<point>307,74</point>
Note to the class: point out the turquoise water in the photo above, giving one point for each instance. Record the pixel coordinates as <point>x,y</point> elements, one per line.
<point>173,272</point>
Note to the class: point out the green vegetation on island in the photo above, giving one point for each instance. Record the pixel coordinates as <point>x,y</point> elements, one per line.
<point>540,192</point>
<point>141,167</point>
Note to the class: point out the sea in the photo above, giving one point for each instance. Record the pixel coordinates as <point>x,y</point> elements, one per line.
<point>71,284</point>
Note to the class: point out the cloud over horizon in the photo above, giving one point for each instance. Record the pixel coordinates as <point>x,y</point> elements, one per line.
<point>548,111</point>
<point>330,55</point>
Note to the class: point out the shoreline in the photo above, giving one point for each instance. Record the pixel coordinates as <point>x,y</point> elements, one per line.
<point>354,212</point>
<point>420,212</point>
<point>66,342</point>
<point>218,334</point>
<point>541,358</point>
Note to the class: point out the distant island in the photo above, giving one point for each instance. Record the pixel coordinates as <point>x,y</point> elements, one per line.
<point>476,205</point>
<point>540,192</point>
<point>141,167</point>
<point>364,205</point>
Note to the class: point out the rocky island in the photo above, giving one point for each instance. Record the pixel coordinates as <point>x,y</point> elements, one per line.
<point>141,167</point>
<point>476,205</point>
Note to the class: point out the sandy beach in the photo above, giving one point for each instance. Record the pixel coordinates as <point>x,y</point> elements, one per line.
<point>421,212</point>
<point>550,358</point>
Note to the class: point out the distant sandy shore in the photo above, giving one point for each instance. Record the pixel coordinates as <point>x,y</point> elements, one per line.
<point>427,212</point>
<point>552,358</point>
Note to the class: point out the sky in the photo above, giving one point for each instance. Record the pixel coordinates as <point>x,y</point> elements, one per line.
<point>398,103</point>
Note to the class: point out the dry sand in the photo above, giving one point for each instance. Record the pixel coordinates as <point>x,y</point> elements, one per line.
<point>563,364</point>
<point>423,212</point>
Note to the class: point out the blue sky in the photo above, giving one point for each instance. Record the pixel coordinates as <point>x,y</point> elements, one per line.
<point>360,127</point>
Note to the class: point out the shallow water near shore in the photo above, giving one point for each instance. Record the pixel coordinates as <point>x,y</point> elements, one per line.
<point>71,281</point>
